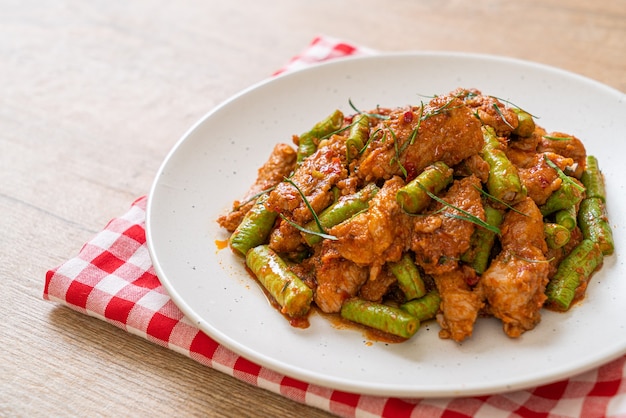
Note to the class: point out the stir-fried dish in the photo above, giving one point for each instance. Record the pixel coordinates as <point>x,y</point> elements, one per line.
<point>454,209</point>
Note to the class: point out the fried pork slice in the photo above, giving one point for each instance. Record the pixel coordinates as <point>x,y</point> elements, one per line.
<point>528,144</point>
<point>460,304</point>
<point>337,280</point>
<point>515,281</point>
<point>541,180</point>
<point>448,131</point>
<point>522,151</point>
<point>374,290</point>
<point>491,112</point>
<point>314,177</point>
<point>441,238</point>
<point>567,146</point>
<point>475,165</point>
<point>285,239</point>
<point>377,235</point>
<point>280,164</point>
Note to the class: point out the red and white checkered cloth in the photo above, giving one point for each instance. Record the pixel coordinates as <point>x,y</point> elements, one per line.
<point>112,278</point>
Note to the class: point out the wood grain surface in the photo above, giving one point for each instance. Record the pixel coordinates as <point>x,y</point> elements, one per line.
<point>93,96</point>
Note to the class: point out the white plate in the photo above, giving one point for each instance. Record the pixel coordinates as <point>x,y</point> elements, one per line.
<point>217,159</point>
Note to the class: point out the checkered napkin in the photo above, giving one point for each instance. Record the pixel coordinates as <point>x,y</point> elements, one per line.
<point>112,279</point>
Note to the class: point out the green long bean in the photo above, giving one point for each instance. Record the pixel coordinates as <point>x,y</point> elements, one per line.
<point>567,218</point>
<point>254,228</point>
<point>503,182</point>
<point>556,235</point>
<point>566,196</point>
<point>342,209</point>
<point>593,180</point>
<point>307,143</point>
<point>526,124</point>
<point>482,241</point>
<point>384,318</point>
<point>358,136</point>
<point>424,308</point>
<point>413,197</point>
<point>576,268</point>
<point>409,277</point>
<point>594,224</point>
<point>569,194</point>
<point>286,288</point>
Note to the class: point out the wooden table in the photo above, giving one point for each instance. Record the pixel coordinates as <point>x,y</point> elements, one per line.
<point>94,94</point>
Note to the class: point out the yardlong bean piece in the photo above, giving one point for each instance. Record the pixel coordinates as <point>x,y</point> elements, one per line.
<point>424,308</point>
<point>409,277</point>
<point>412,198</point>
<point>503,182</point>
<point>341,210</point>
<point>556,235</point>
<point>359,134</point>
<point>254,228</point>
<point>594,224</point>
<point>286,288</point>
<point>307,143</point>
<point>564,197</point>
<point>381,317</point>
<point>482,241</point>
<point>575,269</point>
<point>593,180</point>
<point>526,124</point>
<point>567,218</point>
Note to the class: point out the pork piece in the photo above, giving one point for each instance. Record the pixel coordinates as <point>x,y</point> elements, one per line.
<point>337,280</point>
<point>377,235</point>
<point>529,143</point>
<point>520,158</point>
<point>448,132</point>
<point>539,178</point>
<point>285,239</point>
<point>460,304</point>
<point>491,112</point>
<point>567,146</point>
<point>315,177</point>
<point>280,164</point>
<point>374,290</point>
<point>439,239</point>
<point>522,151</point>
<point>475,165</point>
<point>515,281</point>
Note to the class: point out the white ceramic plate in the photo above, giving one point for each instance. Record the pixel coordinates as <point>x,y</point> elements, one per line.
<point>217,159</point>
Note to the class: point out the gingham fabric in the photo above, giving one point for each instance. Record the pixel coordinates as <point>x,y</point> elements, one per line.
<point>112,279</point>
